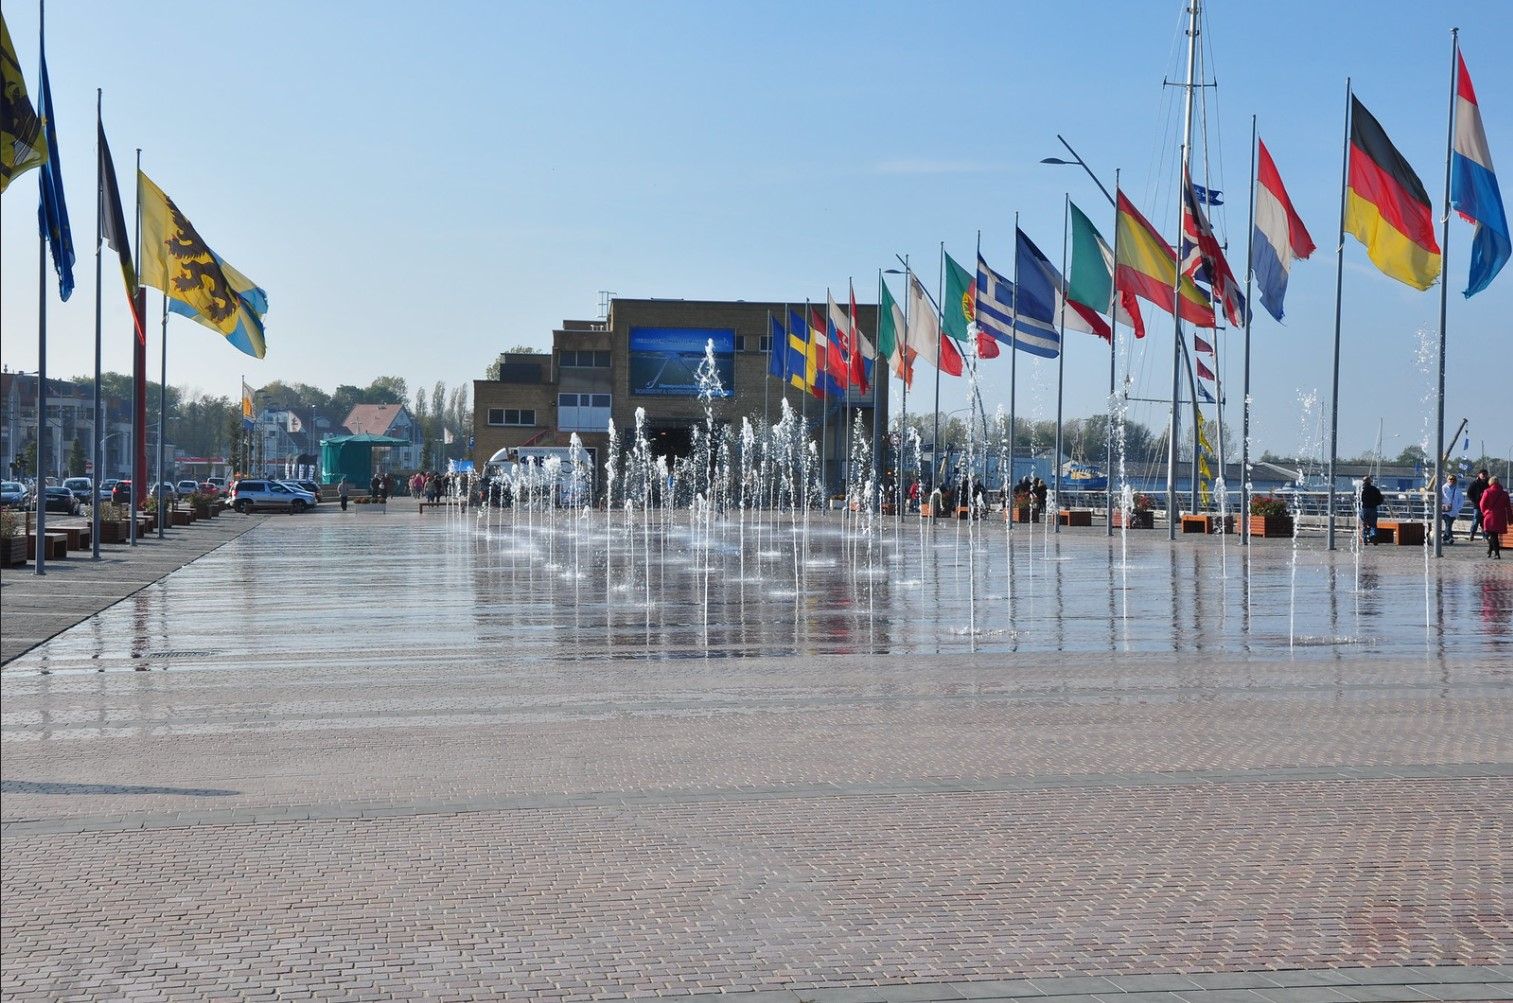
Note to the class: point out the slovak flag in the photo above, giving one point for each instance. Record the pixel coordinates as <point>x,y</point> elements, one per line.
<point>1473,187</point>
<point>1279,235</point>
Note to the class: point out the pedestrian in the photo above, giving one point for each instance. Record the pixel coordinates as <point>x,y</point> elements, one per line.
<point>373,485</point>
<point>1452,498</point>
<point>384,487</point>
<point>1371,500</point>
<point>1496,512</point>
<point>342,491</point>
<point>1040,492</point>
<point>1473,496</point>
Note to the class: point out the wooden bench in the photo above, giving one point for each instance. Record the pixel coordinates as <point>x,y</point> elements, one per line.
<point>1400,532</point>
<point>1198,523</point>
<point>54,547</point>
<point>1076,517</point>
<point>78,536</point>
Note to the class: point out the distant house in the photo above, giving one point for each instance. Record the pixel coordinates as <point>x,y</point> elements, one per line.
<point>392,420</point>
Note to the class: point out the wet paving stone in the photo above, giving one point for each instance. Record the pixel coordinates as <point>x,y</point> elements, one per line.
<point>388,756</point>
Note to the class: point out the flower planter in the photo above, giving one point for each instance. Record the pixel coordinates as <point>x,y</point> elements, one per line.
<point>1025,515</point>
<point>202,512</point>
<point>178,517</point>
<point>114,531</point>
<point>1271,525</point>
<point>12,551</point>
<point>1136,520</point>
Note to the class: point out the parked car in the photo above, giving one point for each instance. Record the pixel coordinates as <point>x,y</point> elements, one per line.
<point>186,488</point>
<point>120,492</point>
<point>169,492</point>
<point>60,499</point>
<point>210,489</point>
<point>309,486</point>
<point>83,489</point>
<point>218,483</point>
<point>14,494</point>
<point>248,495</point>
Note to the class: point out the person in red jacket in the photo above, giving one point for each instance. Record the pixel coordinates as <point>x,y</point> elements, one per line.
<point>1494,516</point>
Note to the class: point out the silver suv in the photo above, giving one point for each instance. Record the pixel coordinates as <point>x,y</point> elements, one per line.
<point>249,495</point>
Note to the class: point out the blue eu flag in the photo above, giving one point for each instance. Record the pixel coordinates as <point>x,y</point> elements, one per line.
<point>52,214</point>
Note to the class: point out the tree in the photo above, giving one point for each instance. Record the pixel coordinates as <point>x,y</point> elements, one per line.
<point>76,459</point>
<point>25,463</point>
<point>1412,455</point>
<point>387,390</point>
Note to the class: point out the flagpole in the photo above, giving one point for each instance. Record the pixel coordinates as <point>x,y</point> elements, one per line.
<point>879,400</point>
<point>96,453</point>
<point>1060,365</point>
<point>40,563</point>
<point>1444,290</point>
<point>767,383</point>
<point>940,295</point>
<point>43,95</point>
<point>1171,448</point>
<point>903,418</point>
<point>1339,282</point>
<point>1245,413</point>
<point>1013,367</point>
<point>162,417</point>
<point>139,321</point>
<point>1113,339</point>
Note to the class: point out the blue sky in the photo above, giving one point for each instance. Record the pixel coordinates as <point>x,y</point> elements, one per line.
<point>419,187</point>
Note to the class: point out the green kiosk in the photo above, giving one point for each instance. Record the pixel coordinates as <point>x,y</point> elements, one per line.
<point>352,455</point>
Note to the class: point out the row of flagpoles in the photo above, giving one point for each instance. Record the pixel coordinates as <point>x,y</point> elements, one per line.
<point>1384,206</point>
<point>171,257</point>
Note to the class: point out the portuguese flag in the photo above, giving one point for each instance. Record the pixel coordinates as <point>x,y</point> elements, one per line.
<point>1386,206</point>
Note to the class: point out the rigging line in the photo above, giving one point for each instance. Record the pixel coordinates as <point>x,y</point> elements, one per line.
<point>1155,170</point>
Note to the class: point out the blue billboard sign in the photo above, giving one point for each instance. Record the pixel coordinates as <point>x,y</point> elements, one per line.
<point>664,361</point>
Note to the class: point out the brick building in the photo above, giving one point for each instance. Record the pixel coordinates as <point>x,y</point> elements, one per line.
<point>645,355</point>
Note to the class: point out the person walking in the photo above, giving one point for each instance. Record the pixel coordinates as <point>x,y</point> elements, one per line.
<point>1371,501</point>
<point>342,491</point>
<point>1452,498</point>
<point>1040,493</point>
<point>1496,512</point>
<point>1473,496</point>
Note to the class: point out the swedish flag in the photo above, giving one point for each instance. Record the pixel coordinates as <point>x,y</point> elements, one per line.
<point>198,282</point>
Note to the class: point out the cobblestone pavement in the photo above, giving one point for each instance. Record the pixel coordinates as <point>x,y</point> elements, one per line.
<point>36,607</point>
<point>313,811</point>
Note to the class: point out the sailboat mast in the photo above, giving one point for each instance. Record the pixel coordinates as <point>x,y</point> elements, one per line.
<point>1187,132</point>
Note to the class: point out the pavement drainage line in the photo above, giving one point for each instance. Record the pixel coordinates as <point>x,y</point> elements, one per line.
<point>350,811</point>
<point>1483,982</point>
<point>249,527</point>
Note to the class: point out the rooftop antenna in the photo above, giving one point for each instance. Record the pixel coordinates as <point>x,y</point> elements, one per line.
<point>605,295</point>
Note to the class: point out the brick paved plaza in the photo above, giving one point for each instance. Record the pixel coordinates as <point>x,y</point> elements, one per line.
<point>328,761</point>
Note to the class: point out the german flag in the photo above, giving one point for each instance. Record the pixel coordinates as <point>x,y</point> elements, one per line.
<point>1386,206</point>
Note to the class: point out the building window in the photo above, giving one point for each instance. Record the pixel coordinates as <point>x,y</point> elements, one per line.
<point>512,416</point>
<point>582,412</point>
<point>583,360</point>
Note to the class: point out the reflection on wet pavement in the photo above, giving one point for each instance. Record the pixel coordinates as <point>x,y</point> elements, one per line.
<point>502,587</point>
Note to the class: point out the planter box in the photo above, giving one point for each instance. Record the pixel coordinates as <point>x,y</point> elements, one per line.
<point>115,532</point>
<point>1137,520</point>
<point>1076,517</point>
<point>178,517</point>
<point>12,552</point>
<point>1025,515</point>
<point>202,512</point>
<point>1271,525</point>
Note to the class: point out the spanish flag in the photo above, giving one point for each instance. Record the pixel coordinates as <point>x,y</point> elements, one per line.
<point>1146,267</point>
<point>1386,206</point>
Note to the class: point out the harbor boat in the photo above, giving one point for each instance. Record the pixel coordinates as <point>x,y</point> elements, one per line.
<point>1079,476</point>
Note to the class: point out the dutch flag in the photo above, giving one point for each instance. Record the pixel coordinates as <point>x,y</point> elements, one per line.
<point>1279,237</point>
<point>1473,188</point>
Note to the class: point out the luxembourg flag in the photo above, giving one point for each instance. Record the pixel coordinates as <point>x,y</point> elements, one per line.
<point>1473,187</point>
<point>1279,236</point>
